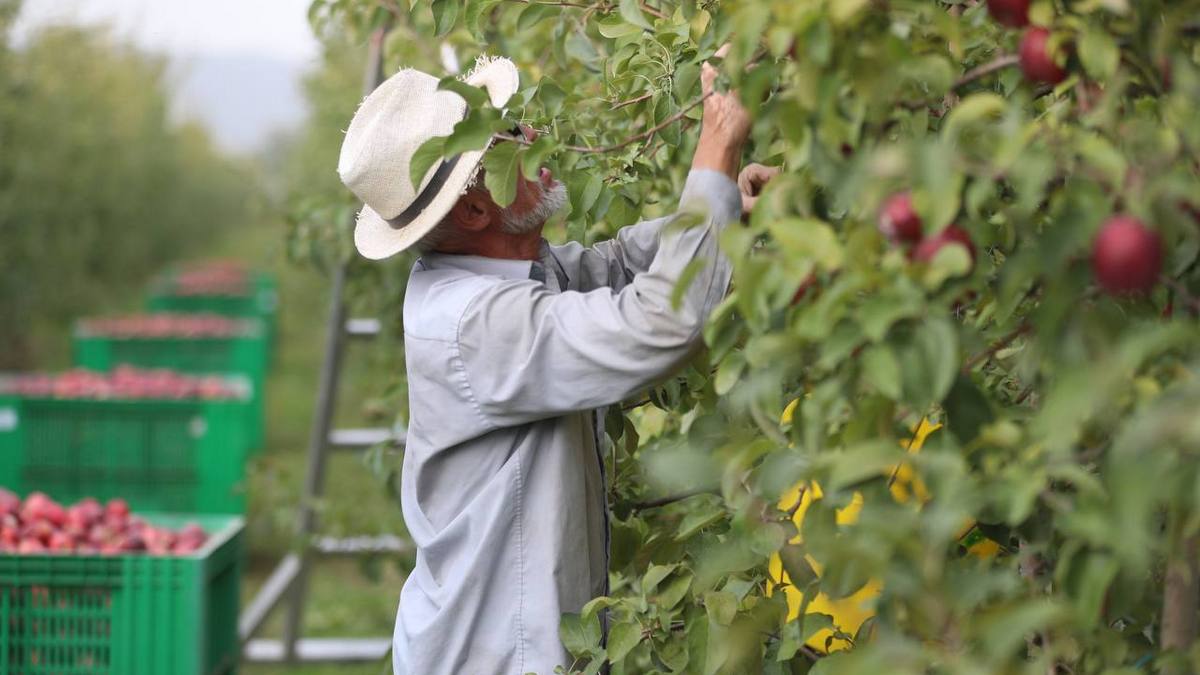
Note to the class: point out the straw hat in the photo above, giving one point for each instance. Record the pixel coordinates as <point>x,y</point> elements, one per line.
<point>392,122</point>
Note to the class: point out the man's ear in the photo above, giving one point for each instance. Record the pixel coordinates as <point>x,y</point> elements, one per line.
<point>473,211</point>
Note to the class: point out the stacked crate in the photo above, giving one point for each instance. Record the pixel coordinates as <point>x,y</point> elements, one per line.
<point>163,413</point>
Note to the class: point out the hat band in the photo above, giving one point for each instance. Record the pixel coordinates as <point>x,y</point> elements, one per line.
<point>427,195</point>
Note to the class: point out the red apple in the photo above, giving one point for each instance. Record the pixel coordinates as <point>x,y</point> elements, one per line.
<point>30,546</point>
<point>1037,61</point>
<point>953,234</point>
<point>61,542</point>
<point>117,509</point>
<point>1011,13</point>
<point>9,503</point>
<point>1127,256</point>
<point>898,220</point>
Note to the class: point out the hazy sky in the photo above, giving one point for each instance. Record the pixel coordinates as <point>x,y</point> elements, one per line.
<point>238,62</point>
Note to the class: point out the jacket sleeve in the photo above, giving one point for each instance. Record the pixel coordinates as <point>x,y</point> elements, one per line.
<point>529,353</point>
<point>614,263</point>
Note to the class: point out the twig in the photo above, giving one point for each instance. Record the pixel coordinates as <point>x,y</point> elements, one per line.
<point>563,3</point>
<point>1181,291</point>
<point>650,10</point>
<point>632,406</point>
<point>643,135</point>
<point>669,499</point>
<point>632,101</point>
<point>995,347</point>
<point>998,63</point>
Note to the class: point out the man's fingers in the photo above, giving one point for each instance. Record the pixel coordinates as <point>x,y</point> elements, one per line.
<point>708,77</point>
<point>752,179</point>
<point>722,52</point>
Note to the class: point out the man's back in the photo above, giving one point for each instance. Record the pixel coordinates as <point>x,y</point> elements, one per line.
<point>502,484</point>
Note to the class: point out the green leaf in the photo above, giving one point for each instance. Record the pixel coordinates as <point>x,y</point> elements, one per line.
<point>534,156</point>
<point>967,409</point>
<point>685,281</point>
<point>580,637</point>
<point>810,240</point>
<point>929,360</point>
<point>721,607</point>
<point>614,28</point>
<point>534,13</point>
<point>445,13</point>
<point>473,133</point>
<point>622,639</point>
<point>1005,629</point>
<point>951,260</point>
<point>429,153</point>
<point>702,511</point>
<point>1098,52</point>
<point>503,171</point>
<point>675,590</point>
<point>595,605</point>
<point>882,370</point>
<point>971,110</point>
<point>475,97</point>
<point>654,575</point>
<point>631,11</point>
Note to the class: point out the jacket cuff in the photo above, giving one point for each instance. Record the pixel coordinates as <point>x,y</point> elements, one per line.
<point>713,193</point>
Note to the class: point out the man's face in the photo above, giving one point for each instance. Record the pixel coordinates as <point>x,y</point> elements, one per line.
<point>536,200</point>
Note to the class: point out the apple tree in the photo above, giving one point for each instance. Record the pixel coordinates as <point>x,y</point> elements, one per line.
<point>983,246</point>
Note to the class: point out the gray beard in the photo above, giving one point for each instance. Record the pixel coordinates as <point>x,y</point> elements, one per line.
<point>551,202</point>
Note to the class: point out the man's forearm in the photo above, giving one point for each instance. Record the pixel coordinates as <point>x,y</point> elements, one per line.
<point>716,151</point>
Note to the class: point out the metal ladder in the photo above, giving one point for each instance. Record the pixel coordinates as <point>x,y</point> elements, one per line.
<point>289,580</point>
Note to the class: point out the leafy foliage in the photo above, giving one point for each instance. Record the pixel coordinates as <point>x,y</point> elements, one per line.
<point>1070,434</point>
<point>98,187</point>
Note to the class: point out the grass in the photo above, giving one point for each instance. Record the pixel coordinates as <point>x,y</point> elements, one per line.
<point>352,598</point>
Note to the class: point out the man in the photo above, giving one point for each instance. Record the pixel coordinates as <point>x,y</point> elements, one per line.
<point>512,346</point>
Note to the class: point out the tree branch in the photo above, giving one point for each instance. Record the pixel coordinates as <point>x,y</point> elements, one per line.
<point>996,64</point>
<point>643,135</point>
<point>988,353</point>
<point>650,10</point>
<point>632,101</point>
<point>670,499</point>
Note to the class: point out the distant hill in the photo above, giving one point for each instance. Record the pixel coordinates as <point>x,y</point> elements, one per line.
<point>242,99</point>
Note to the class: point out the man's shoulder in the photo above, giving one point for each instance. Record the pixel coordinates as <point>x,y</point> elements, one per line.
<point>437,299</point>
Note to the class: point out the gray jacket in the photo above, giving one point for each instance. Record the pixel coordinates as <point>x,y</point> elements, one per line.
<point>503,481</point>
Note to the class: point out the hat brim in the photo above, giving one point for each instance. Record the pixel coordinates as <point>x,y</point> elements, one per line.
<point>375,238</point>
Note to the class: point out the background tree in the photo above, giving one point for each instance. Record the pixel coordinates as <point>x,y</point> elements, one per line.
<point>99,188</point>
<point>987,220</point>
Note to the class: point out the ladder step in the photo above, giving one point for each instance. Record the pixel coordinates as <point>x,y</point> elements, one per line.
<point>363,328</point>
<point>361,439</point>
<point>272,591</point>
<point>321,650</point>
<point>362,545</point>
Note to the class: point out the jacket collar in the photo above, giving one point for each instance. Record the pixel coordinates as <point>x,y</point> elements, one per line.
<point>477,264</point>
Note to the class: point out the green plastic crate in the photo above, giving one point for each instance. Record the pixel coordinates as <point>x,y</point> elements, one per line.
<point>242,355</point>
<point>261,302</point>
<point>125,615</point>
<point>182,456</point>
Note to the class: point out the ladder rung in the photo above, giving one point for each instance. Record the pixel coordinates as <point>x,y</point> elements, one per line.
<point>362,545</point>
<point>363,327</point>
<point>317,650</point>
<point>361,439</point>
<point>272,591</point>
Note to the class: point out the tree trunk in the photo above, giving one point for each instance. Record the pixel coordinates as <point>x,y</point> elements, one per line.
<point>1181,597</point>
